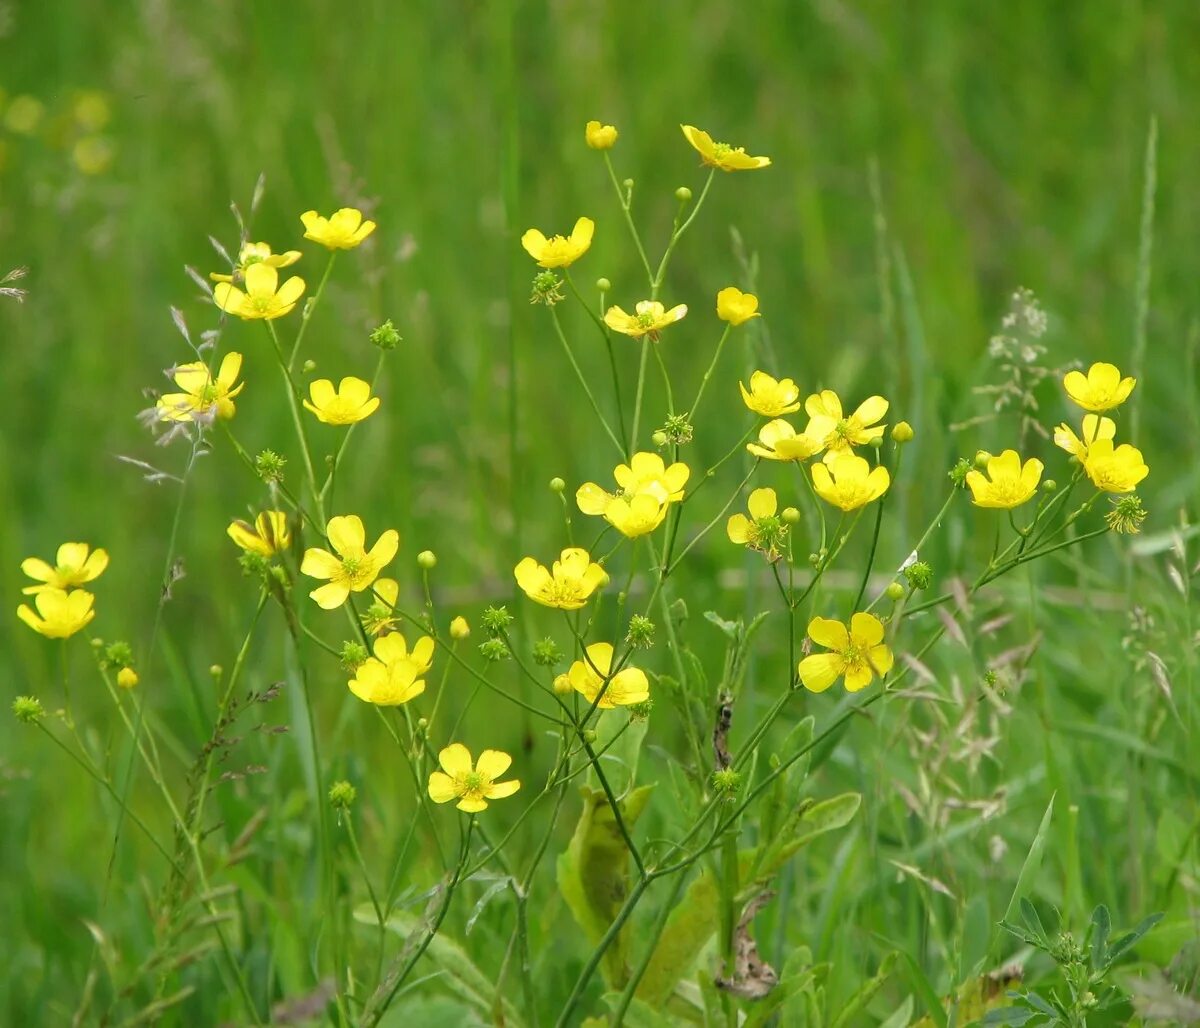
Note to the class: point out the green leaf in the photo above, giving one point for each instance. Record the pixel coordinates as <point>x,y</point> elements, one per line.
<point>1032,864</point>
<point>902,1017</point>
<point>1033,922</point>
<point>638,1014</point>
<point>1125,942</point>
<point>805,824</point>
<point>866,992</point>
<point>1101,927</point>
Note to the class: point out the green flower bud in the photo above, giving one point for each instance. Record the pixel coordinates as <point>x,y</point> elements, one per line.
<point>385,336</point>
<point>895,591</point>
<point>269,466</point>
<point>1049,486</point>
<point>546,653</point>
<point>557,485</point>
<point>683,194</point>
<point>427,560</point>
<point>790,516</point>
<point>659,438</point>
<point>309,367</point>
<point>918,574</point>
<point>342,795</point>
<point>28,710</point>
<point>981,459</point>
<point>902,432</point>
<point>493,650</point>
<point>726,781</point>
<point>641,632</point>
<point>496,620</point>
<point>604,285</point>
<point>216,670</point>
<point>353,654</point>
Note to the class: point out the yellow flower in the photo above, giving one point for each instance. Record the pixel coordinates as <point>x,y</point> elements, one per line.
<point>380,617</point>
<point>651,317</point>
<point>393,675</point>
<point>778,440</point>
<point>59,613</point>
<point>342,230</point>
<point>267,536</point>
<point>736,307</point>
<point>837,432</point>
<point>203,397</point>
<point>1114,470</point>
<point>559,251</point>
<point>648,488</point>
<point>263,298</point>
<point>769,397</point>
<point>850,482</point>
<point>459,628</point>
<point>471,783</point>
<point>1008,484</point>
<point>600,137</point>
<point>354,568</point>
<point>351,402</point>
<point>721,155</point>
<point>257,253</point>
<point>762,530</point>
<point>573,580</point>
<point>859,654</point>
<point>629,685</point>
<point>127,678</point>
<point>1094,428</point>
<point>74,565</point>
<point>1102,388</point>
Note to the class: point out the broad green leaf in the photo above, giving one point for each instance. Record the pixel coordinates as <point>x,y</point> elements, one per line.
<point>805,824</point>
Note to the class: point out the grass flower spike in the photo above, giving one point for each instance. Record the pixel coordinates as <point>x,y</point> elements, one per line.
<point>353,569</point>
<point>858,653</point>
<point>779,440</point>
<point>350,403</point>
<point>762,530</point>
<point>588,676</point>
<point>203,396</point>
<point>1007,484</point>
<point>393,675</point>
<point>1116,470</point>
<point>60,614</point>
<point>721,155</point>
<point>267,536</point>
<point>1101,389</point>
<point>75,564</point>
<point>472,783</point>
<point>600,137</point>
<point>837,432</point>
<point>568,586</point>
<point>559,251</point>
<point>263,296</point>
<point>770,397</point>
<point>736,307</point>
<point>1094,428</point>
<point>257,253</point>
<point>342,230</point>
<point>651,317</point>
<point>850,482</point>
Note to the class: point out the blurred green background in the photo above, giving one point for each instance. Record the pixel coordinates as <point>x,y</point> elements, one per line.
<point>1009,141</point>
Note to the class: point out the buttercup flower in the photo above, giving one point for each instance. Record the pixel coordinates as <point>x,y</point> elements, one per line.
<point>1008,484</point>
<point>651,317</point>
<point>629,685</point>
<point>393,675</point>
<point>1116,470</point>
<point>778,440</point>
<point>568,586</point>
<point>600,137</point>
<point>60,614</point>
<point>203,396</point>
<point>769,397</point>
<point>559,251</point>
<point>762,530</point>
<point>850,482</point>
<point>354,568</point>
<point>351,402</point>
<point>1101,389</point>
<point>648,487</point>
<point>721,155</point>
<point>267,536</point>
<point>342,230</point>
<point>859,653</point>
<point>74,565</point>
<point>257,253</point>
<point>837,432</point>
<point>471,783</point>
<point>736,307</point>
<point>1094,428</point>
<point>263,297</point>
<point>127,678</point>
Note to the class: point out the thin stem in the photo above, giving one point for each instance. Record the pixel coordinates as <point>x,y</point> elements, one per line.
<point>587,389</point>
<point>309,311</point>
<point>708,373</point>
<point>637,402</point>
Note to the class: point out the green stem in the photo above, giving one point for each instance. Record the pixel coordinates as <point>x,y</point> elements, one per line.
<point>712,365</point>
<point>583,382</point>
<point>309,311</point>
<point>637,402</point>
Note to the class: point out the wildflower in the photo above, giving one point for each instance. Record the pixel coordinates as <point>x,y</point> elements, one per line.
<point>737,307</point>
<point>203,396</point>
<point>28,710</point>
<point>636,516</point>
<point>762,530</point>
<point>1127,515</point>
<point>385,336</point>
<point>649,319</point>
<point>640,634</point>
<point>547,289</point>
<point>127,678</point>
<point>1101,389</point>
<point>354,568</point>
<point>352,402</point>
<point>342,230</point>
<point>472,783</point>
<point>381,615</point>
<point>74,564</point>
<point>778,440</point>
<point>600,137</point>
<point>721,155</point>
<point>268,465</point>
<point>263,297</point>
<point>1008,484</point>
<point>588,676</point>
<point>648,487</point>
<point>770,397</point>
<point>459,629</point>
<point>838,433</point>
<point>559,251</point>
<point>496,620</point>
<point>850,482</point>
<point>1116,470</point>
<point>573,580</point>
<point>60,614</point>
<point>918,574</point>
<point>1094,428</point>
<point>677,429</point>
<point>24,114</point>
<point>257,253</point>
<point>393,675</point>
<point>267,536</point>
<point>858,653</point>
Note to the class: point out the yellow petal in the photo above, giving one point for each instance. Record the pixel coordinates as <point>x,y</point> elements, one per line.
<point>762,503</point>
<point>819,671</point>
<point>828,633</point>
<point>347,535</point>
<point>455,759</point>
<point>441,787</point>
<point>493,763</point>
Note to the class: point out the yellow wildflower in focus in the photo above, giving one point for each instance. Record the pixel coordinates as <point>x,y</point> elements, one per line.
<point>568,586</point>
<point>721,155</point>
<point>648,488</point>
<point>60,614</point>
<point>1094,428</point>
<point>858,653</point>
<point>837,432</point>
<point>1007,484</point>
<point>770,397</point>
<point>354,568</point>
<point>1101,389</point>
<point>263,297</point>
<point>74,564</point>
<point>559,251</point>
<point>267,536</point>
<point>600,137</point>
<point>350,403</point>
<point>650,318</point>
<point>393,675</point>
<point>850,482</point>
<point>737,307</point>
<point>762,530</point>
<point>778,440</point>
<point>471,783</point>
<point>629,685</point>
<point>342,230</point>
<point>127,678</point>
<point>257,253</point>
<point>203,396</point>
<point>1116,470</point>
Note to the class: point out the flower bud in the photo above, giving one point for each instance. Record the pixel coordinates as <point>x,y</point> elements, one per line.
<point>342,795</point>
<point>659,438</point>
<point>603,284</point>
<point>876,442</point>
<point>385,336</point>
<point>546,653</point>
<point>726,781</point>
<point>28,710</point>
<point>353,654</point>
<point>628,183</point>
<point>1049,486</point>
<point>789,516</point>
<point>127,678</point>
<point>308,367</point>
<point>600,137</point>
<point>557,485</point>
<point>895,591</point>
<point>427,560</point>
<point>902,432</point>
<point>216,670</point>
<point>562,685</point>
<point>459,629</point>
<point>683,194</point>
<point>981,458</point>
<point>589,735</point>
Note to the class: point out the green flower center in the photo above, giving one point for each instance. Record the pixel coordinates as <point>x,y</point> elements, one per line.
<point>844,429</point>
<point>352,566</point>
<point>721,150</point>
<point>209,394</point>
<point>645,320</point>
<point>471,783</point>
